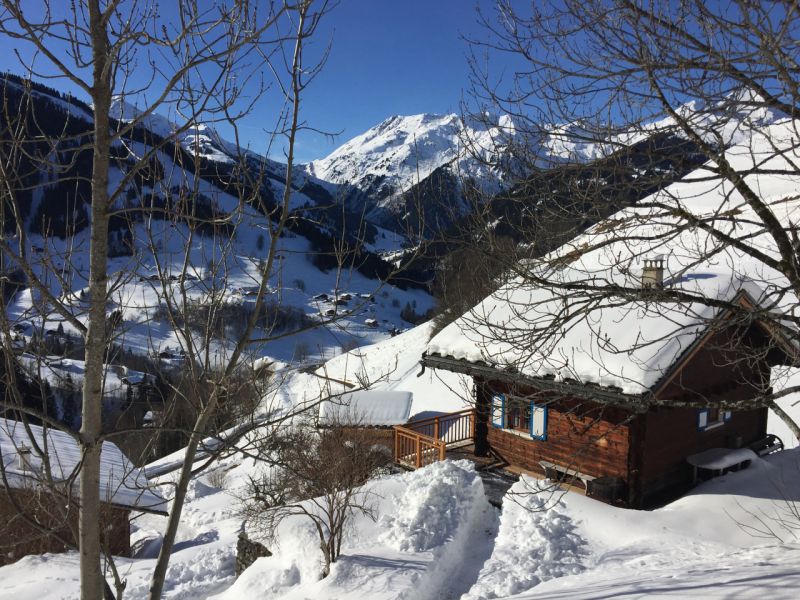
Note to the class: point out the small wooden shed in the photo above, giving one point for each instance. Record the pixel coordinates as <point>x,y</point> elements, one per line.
<point>39,492</point>
<point>374,410</point>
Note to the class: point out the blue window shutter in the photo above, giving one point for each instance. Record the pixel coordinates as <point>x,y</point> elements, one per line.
<point>702,419</point>
<point>499,410</point>
<point>726,416</point>
<point>538,422</point>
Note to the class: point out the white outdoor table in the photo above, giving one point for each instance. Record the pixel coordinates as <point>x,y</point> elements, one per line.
<point>719,459</point>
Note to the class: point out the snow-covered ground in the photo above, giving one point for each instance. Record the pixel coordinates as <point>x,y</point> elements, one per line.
<point>436,536</point>
<point>415,548</point>
<point>733,537</point>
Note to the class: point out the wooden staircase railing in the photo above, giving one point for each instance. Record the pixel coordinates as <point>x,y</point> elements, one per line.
<point>423,442</point>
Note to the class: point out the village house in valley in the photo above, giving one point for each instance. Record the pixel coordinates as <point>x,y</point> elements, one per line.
<point>39,492</point>
<point>627,401</point>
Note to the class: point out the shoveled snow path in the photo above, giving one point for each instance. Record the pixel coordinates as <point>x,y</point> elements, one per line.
<point>456,568</point>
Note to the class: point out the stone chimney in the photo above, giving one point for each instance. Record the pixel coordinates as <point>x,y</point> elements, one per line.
<point>25,456</point>
<point>653,273</point>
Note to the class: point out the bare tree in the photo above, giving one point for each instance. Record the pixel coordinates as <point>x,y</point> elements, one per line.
<point>204,67</point>
<point>317,475</point>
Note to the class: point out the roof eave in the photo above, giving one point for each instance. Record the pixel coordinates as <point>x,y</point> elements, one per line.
<point>144,509</point>
<point>634,402</point>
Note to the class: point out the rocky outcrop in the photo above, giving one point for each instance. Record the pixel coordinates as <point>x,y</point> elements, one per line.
<point>247,551</point>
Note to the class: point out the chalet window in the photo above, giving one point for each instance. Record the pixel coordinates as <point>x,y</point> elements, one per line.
<point>538,422</point>
<point>521,416</point>
<point>518,417</point>
<point>710,418</point>
<point>498,410</point>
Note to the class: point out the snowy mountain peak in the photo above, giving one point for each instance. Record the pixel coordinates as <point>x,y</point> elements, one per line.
<point>399,152</point>
<point>197,138</point>
<point>124,111</point>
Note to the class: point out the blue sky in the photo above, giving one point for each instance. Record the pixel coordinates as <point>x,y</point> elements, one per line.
<point>388,57</point>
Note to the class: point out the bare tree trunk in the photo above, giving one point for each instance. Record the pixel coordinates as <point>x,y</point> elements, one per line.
<point>160,571</point>
<point>92,581</point>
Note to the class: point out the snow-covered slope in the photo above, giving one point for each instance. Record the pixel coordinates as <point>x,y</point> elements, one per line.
<point>152,253</point>
<point>389,365</point>
<point>713,543</point>
<point>435,536</point>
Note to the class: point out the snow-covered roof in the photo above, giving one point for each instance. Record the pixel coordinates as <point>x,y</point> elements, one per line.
<point>548,319</point>
<point>121,483</point>
<point>543,332</point>
<point>367,408</point>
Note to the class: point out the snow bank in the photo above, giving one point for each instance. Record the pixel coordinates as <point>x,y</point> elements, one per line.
<point>716,542</point>
<point>428,542</point>
<point>436,501</point>
<point>296,560</point>
<point>443,511</point>
<point>538,540</point>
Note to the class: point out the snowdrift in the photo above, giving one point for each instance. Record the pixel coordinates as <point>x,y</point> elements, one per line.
<point>427,522</point>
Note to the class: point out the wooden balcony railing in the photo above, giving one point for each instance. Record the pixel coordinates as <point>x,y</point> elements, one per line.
<point>423,442</point>
<point>415,450</point>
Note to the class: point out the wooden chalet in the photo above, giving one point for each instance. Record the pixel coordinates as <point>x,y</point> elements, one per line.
<point>39,492</point>
<point>625,440</point>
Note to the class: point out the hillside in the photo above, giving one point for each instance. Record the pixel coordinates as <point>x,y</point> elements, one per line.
<point>54,208</point>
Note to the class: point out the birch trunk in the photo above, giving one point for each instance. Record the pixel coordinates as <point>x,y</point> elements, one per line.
<point>91,576</point>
